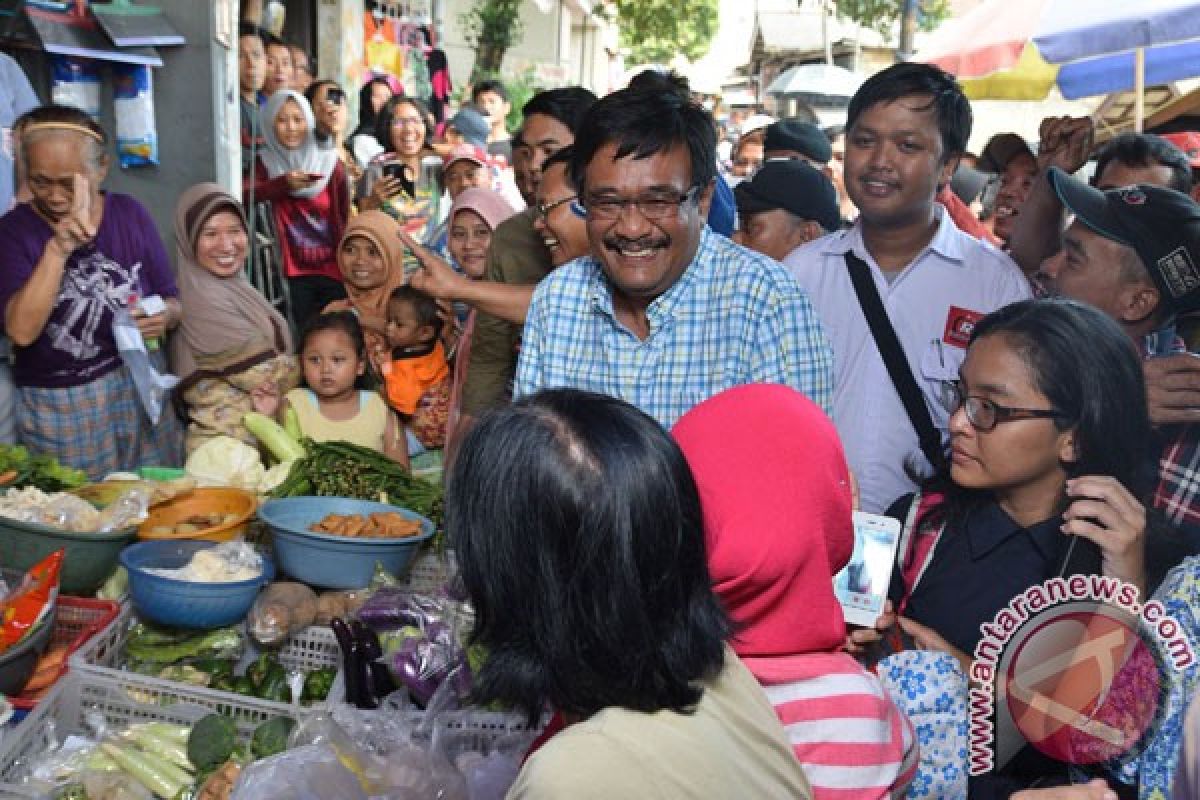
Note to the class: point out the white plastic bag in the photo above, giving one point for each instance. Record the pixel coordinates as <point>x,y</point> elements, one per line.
<point>311,772</point>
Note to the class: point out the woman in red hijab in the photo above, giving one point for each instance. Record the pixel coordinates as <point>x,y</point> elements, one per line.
<point>777,504</point>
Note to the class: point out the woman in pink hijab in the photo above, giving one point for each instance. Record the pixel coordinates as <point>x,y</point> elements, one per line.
<point>777,505</point>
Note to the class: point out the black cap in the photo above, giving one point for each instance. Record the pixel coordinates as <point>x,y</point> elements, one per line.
<point>1161,224</point>
<point>794,186</point>
<point>1001,149</point>
<point>802,137</point>
<point>967,183</point>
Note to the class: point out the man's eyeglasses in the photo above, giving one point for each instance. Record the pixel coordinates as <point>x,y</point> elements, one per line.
<point>652,206</point>
<point>542,210</point>
<point>984,415</point>
<point>335,97</point>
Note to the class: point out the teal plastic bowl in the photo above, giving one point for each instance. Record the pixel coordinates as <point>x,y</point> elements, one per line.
<point>89,559</point>
<point>186,604</point>
<point>335,562</point>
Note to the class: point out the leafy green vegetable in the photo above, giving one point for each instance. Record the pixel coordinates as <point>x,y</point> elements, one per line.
<point>270,738</point>
<point>341,469</point>
<point>163,646</point>
<point>41,471</point>
<point>212,741</point>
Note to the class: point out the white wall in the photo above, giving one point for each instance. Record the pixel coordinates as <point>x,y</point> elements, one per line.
<point>562,44</point>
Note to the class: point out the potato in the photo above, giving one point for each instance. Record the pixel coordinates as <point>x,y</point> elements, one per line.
<point>330,605</point>
<point>300,600</point>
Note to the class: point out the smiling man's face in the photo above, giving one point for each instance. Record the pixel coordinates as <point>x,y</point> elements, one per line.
<point>644,257</point>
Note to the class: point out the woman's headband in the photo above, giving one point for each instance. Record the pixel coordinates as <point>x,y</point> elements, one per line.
<point>61,126</point>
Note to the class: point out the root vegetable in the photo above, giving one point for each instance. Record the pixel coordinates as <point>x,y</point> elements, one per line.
<point>283,608</point>
<point>330,605</point>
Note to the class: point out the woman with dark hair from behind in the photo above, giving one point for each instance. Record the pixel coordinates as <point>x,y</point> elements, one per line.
<point>1047,442</point>
<point>579,534</point>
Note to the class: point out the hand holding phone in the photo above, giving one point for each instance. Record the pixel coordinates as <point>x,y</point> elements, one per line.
<point>862,586</point>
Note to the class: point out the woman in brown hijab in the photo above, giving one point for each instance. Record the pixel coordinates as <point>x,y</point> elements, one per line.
<point>232,345</point>
<point>370,256</point>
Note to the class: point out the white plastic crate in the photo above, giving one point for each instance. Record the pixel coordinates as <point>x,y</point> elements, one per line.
<point>62,712</point>
<point>312,648</point>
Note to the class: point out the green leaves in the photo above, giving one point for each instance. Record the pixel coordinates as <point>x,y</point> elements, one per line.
<point>882,15</point>
<point>655,31</point>
<point>491,27</point>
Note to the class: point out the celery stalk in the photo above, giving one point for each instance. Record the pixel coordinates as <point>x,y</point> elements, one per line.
<point>151,742</point>
<point>133,763</point>
<point>165,767</point>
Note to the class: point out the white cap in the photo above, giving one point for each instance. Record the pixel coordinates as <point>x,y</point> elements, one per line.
<point>755,122</point>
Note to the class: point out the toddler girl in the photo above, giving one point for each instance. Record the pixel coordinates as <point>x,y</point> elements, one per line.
<point>330,406</point>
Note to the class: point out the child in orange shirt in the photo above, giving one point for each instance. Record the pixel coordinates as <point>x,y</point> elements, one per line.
<point>417,376</point>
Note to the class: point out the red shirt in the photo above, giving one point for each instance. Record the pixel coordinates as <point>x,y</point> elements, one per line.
<point>308,228</point>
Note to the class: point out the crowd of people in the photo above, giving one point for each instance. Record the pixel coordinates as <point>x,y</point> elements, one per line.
<point>662,375</point>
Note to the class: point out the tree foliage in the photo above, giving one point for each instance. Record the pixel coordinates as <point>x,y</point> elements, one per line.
<point>491,27</point>
<point>655,31</point>
<point>883,15</point>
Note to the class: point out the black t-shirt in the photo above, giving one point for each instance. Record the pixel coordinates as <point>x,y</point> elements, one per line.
<point>975,570</point>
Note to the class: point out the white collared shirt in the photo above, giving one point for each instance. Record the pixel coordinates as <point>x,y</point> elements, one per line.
<point>932,304</point>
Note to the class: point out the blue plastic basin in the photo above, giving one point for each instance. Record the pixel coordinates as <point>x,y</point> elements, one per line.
<point>186,604</point>
<point>335,562</point>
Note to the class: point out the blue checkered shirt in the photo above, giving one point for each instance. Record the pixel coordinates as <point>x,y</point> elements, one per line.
<point>733,317</point>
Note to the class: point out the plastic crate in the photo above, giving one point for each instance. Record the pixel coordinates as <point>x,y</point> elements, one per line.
<point>77,620</point>
<point>82,694</point>
<point>312,648</point>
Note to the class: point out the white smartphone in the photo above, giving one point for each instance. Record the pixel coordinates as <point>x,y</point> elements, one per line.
<point>862,586</point>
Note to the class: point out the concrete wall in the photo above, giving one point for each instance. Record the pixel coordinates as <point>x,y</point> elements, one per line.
<point>186,92</point>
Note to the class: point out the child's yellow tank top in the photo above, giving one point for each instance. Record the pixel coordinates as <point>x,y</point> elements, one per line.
<point>366,428</point>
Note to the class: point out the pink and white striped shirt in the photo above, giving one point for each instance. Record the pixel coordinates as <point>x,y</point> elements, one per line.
<point>851,739</point>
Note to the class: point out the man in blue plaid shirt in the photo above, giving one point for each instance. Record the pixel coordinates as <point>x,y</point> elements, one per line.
<point>664,313</point>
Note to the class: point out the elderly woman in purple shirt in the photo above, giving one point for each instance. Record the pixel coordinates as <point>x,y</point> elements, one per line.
<point>74,256</point>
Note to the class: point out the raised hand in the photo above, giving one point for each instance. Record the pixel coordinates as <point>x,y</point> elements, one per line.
<point>75,229</point>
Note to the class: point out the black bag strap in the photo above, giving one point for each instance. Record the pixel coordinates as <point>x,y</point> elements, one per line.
<point>895,361</point>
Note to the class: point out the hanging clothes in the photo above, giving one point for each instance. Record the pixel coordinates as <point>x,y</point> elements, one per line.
<point>439,78</point>
<point>380,48</point>
<point>416,74</point>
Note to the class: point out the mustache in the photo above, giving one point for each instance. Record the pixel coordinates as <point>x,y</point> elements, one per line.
<point>617,242</point>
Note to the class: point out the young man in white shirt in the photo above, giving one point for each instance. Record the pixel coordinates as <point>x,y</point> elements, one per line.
<point>906,128</point>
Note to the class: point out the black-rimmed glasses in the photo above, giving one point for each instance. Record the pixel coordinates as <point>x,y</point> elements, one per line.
<point>984,415</point>
<point>543,210</point>
<point>652,206</point>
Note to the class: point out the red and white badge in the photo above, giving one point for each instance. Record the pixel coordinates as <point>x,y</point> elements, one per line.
<point>960,324</point>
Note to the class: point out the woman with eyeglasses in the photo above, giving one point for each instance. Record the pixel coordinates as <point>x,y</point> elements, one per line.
<point>1047,443</point>
<point>1046,452</point>
<point>391,180</point>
